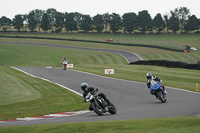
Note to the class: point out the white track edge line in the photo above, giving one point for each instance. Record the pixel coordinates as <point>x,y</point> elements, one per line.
<point>48,81</point>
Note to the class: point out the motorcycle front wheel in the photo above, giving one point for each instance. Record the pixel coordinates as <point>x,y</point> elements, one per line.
<point>161,97</point>
<point>112,109</point>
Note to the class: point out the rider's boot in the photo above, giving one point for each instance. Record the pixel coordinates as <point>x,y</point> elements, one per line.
<point>164,90</point>
<point>151,91</point>
<point>90,108</point>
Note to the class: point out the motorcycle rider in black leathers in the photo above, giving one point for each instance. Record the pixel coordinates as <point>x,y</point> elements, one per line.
<point>86,90</point>
<point>151,79</point>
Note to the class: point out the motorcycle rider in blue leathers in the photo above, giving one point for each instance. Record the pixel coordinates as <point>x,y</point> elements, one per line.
<point>151,79</point>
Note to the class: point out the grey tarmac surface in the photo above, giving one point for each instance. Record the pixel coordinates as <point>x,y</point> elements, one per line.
<point>132,99</point>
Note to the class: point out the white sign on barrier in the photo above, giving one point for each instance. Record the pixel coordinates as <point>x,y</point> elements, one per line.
<point>109,71</point>
<point>70,65</point>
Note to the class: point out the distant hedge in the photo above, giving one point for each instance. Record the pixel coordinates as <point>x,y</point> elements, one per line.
<point>171,64</point>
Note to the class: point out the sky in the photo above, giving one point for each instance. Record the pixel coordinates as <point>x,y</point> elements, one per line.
<point>10,8</point>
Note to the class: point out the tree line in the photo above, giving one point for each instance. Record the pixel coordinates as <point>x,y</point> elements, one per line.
<point>53,21</point>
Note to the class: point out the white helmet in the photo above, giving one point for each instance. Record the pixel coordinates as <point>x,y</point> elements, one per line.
<point>148,75</point>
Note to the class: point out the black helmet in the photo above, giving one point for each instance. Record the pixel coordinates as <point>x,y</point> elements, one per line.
<point>83,86</point>
<point>148,75</point>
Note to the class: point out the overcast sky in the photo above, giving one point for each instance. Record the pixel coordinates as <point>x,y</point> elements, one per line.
<point>10,8</point>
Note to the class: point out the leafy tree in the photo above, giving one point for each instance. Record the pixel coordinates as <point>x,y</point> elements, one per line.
<point>129,21</point>
<point>115,22</point>
<point>144,21</point>
<point>173,23</point>
<point>38,17</point>
<point>182,13</point>
<point>192,24</point>
<point>86,23</point>
<point>18,22</point>
<point>98,23</point>
<point>51,12</point>
<point>198,23</point>
<point>106,20</point>
<point>70,23</point>
<point>25,20</point>
<point>78,19</point>
<point>45,24</point>
<point>158,22</point>
<point>5,23</point>
<point>166,23</point>
<point>59,21</point>
<point>32,24</point>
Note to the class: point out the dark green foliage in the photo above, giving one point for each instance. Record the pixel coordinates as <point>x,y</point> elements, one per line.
<point>70,23</point>
<point>5,23</point>
<point>38,17</point>
<point>51,12</point>
<point>86,23</point>
<point>115,22</point>
<point>59,21</point>
<point>98,23</point>
<point>174,23</point>
<point>166,23</point>
<point>32,24</point>
<point>18,22</point>
<point>78,18</point>
<point>158,23</point>
<point>106,20</point>
<point>182,14</point>
<point>129,21</point>
<point>192,24</point>
<point>45,25</point>
<point>144,21</point>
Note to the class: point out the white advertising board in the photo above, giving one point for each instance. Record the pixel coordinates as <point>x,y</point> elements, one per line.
<point>109,71</point>
<point>70,65</point>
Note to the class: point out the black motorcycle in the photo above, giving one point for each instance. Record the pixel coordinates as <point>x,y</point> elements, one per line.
<point>98,104</point>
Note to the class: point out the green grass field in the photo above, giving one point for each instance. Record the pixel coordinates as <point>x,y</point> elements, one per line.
<point>146,53</point>
<point>23,96</point>
<point>159,125</point>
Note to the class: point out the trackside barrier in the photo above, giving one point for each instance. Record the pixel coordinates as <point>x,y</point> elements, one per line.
<point>197,86</point>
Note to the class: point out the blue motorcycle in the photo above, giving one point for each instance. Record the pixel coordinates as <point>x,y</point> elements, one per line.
<point>158,92</point>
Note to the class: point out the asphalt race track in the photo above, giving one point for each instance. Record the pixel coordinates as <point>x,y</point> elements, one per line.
<point>132,99</point>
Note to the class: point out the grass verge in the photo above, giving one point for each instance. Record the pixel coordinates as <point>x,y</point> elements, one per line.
<point>164,125</point>
<point>24,96</point>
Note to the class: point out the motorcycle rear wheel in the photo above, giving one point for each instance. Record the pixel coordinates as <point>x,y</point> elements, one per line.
<point>97,110</point>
